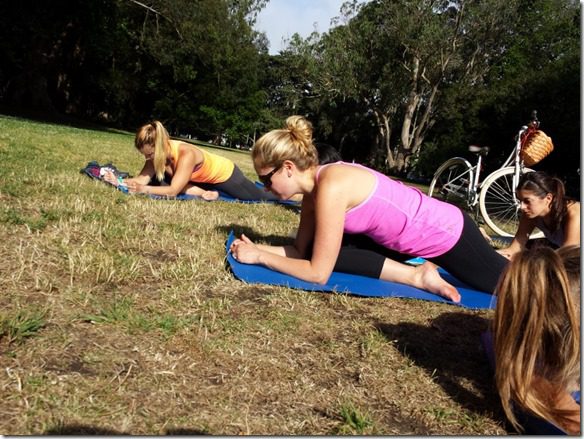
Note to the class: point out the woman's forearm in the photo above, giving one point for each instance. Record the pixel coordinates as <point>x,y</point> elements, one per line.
<point>287,250</point>
<point>301,268</point>
<point>159,190</point>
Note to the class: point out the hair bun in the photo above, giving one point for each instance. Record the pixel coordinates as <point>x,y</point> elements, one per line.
<point>300,128</point>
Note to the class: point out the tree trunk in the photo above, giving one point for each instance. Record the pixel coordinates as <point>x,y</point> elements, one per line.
<point>384,135</point>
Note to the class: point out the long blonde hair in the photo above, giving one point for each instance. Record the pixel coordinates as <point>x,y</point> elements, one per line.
<point>154,134</point>
<point>537,334</point>
<point>294,143</point>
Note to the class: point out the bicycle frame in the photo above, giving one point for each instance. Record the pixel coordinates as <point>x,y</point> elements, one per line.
<point>495,195</point>
<point>515,161</point>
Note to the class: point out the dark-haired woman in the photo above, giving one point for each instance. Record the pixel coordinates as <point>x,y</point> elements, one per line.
<point>544,205</point>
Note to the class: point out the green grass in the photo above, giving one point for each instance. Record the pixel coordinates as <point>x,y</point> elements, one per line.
<point>118,315</point>
<point>21,325</point>
<point>354,422</point>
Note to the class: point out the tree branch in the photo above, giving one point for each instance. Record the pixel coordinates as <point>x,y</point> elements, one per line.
<point>151,9</point>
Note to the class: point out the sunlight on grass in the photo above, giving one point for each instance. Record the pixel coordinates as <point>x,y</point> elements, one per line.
<point>118,315</point>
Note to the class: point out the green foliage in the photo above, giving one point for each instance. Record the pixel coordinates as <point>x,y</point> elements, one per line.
<point>395,84</point>
<point>539,69</point>
<point>354,422</point>
<point>124,62</point>
<point>23,324</point>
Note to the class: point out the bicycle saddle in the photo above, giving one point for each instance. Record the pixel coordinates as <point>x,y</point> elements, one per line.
<point>481,150</point>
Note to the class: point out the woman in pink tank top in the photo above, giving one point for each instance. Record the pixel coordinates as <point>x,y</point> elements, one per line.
<point>343,199</point>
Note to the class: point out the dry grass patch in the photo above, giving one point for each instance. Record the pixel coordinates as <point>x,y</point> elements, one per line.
<point>118,315</point>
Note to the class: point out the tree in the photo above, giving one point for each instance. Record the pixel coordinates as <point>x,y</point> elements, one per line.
<point>539,68</point>
<point>193,64</point>
<point>396,56</point>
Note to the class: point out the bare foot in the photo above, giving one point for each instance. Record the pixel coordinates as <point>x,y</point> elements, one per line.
<point>427,278</point>
<point>210,195</point>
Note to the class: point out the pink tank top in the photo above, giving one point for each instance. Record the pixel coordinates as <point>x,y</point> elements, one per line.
<point>402,218</point>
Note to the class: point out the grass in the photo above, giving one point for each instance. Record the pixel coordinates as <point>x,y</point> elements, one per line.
<point>23,324</point>
<point>119,316</point>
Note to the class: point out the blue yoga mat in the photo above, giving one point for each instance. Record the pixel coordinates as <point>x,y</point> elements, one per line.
<point>358,285</point>
<point>92,169</point>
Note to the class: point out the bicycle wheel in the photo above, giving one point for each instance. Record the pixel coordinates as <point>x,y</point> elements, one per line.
<point>452,182</point>
<point>498,204</point>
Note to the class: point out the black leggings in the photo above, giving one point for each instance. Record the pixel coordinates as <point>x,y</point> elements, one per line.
<point>238,186</point>
<point>472,260</point>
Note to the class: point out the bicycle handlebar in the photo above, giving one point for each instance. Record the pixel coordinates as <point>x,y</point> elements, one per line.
<point>534,120</point>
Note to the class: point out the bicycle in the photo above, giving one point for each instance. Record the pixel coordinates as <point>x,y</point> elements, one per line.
<point>456,180</point>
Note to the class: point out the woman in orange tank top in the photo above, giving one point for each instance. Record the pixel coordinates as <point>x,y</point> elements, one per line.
<point>182,168</point>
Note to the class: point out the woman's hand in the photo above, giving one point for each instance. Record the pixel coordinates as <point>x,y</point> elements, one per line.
<point>136,188</point>
<point>110,177</point>
<point>245,251</point>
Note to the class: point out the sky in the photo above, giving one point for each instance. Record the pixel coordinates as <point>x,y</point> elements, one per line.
<point>283,18</point>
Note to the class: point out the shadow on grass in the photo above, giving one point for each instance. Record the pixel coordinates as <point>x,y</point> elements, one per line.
<point>450,350</point>
<point>89,430</point>
<point>81,429</point>
<point>238,229</point>
<point>56,118</point>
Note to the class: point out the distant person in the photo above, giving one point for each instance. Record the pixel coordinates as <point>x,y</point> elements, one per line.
<point>173,167</point>
<point>544,205</point>
<point>349,198</point>
<point>536,331</point>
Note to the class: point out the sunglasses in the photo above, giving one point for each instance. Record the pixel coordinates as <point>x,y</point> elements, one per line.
<point>267,179</point>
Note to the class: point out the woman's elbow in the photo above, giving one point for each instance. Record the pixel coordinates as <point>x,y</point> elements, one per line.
<point>321,278</point>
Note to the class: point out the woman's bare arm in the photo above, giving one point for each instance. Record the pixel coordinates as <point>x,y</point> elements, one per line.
<point>188,158</point>
<point>330,208</point>
<point>525,228</point>
<point>142,178</point>
<point>305,235</point>
<point>572,225</point>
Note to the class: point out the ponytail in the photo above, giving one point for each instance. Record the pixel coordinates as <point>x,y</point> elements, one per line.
<point>162,139</point>
<point>559,205</point>
<point>155,135</point>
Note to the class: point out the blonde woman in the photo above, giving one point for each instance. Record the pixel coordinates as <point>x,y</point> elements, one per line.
<point>536,332</point>
<point>349,198</point>
<point>186,169</point>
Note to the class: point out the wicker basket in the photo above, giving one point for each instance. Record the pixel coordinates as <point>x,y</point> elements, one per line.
<point>535,146</point>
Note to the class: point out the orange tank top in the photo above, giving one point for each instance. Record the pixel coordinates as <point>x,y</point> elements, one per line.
<point>214,169</point>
